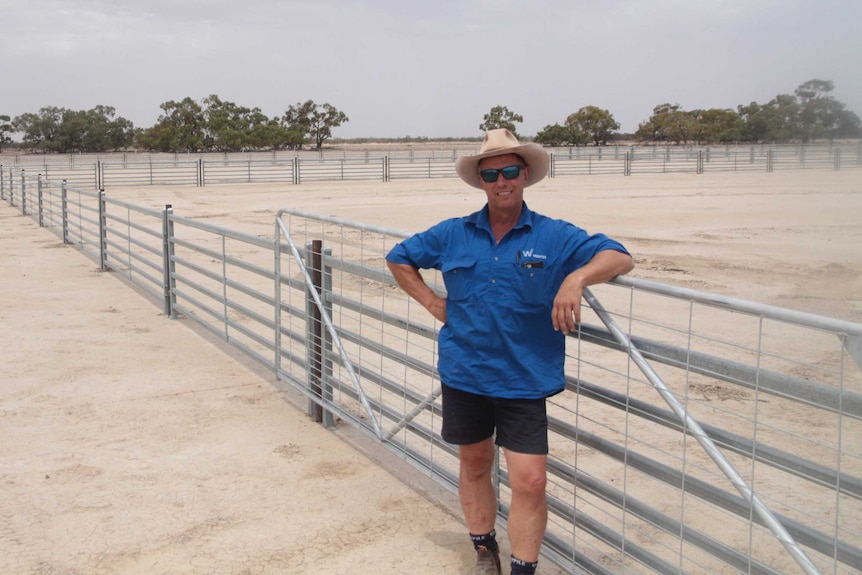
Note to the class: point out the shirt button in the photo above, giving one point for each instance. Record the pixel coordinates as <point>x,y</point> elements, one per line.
<point>493,281</point>
<point>496,258</point>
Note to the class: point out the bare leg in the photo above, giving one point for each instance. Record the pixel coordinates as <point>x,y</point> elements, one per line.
<point>478,500</point>
<point>528,515</point>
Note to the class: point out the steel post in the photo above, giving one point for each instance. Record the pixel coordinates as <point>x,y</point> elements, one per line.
<point>40,204</point>
<point>64,203</point>
<point>103,232</point>
<point>166,259</point>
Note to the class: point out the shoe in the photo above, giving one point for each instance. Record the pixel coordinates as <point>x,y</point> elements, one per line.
<point>488,562</point>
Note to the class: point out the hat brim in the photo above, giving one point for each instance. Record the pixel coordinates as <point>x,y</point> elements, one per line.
<point>534,156</point>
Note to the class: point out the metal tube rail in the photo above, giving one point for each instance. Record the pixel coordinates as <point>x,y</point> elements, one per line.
<point>705,441</point>
<point>826,476</point>
<point>326,319</point>
<point>745,306</point>
<point>803,390</point>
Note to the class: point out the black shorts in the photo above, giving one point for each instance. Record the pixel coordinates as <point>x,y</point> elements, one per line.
<point>521,424</point>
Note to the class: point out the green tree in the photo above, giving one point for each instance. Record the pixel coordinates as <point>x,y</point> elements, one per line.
<point>716,125</point>
<point>668,123</point>
<point>180,128</point>
<point>556,136</point>
<point>229,127</point>
<point>821,115</point>
<point>783,119</point>
<point>275,136</point>
<point>100,130</point>
<point>596,124</point>
<point>846,125</point>
<point>754,119</point>
<point>501,117</point>
<point>40,129</point>
<point>313,120</point>
<point>5,131</point>
<point>815,106</point>
<point>62,130</point>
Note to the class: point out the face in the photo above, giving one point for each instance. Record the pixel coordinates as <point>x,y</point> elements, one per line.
<point>504,193</point>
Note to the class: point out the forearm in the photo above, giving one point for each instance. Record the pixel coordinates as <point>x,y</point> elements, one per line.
<point>605,266</point>
<point>411,281</point>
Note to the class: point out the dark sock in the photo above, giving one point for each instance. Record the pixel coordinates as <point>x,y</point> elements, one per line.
<point>522,567</point>
<point>487,541</point>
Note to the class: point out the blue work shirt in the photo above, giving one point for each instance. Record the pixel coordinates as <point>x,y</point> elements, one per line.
<point>499,339</point>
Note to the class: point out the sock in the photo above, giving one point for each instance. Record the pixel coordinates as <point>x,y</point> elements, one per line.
<point>522,567</point>
<point>487,541</point>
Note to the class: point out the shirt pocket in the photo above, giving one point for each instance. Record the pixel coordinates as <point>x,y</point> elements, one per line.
<point>458,275</point>
<point>535,285</point>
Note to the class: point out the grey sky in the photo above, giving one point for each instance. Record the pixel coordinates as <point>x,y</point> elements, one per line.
<point>432,68</point>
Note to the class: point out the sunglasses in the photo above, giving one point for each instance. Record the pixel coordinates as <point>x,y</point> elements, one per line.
<point>509,173</point>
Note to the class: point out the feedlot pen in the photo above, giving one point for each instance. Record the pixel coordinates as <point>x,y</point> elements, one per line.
<point>698,433</point>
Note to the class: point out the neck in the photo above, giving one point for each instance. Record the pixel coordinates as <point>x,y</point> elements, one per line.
<point>503,219</point>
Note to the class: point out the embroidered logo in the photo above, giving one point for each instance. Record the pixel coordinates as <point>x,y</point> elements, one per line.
<point>529,254</point>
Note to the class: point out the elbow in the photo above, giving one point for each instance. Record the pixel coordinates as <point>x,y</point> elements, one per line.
<point>629,264</point>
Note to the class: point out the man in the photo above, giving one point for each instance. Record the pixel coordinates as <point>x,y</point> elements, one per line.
<point>514,281</point>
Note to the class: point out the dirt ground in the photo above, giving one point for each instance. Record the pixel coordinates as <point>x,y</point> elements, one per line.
<point>134,444</point>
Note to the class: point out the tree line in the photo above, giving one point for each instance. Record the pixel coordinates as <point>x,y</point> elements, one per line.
<point>212,125</point>
<point>811,113</point>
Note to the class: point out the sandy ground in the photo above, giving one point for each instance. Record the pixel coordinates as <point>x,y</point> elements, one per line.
<point>133,444</point>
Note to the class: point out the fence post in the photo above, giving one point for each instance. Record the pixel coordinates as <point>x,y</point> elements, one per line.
<point>837,160</point>
<point>296,169</point>
<point>552,164</point>
<point>39,196</point>
<point>277,319</point>
<point>2,184</point>
<point>315,330</point>
<point>11,189</point>
<point>201,176</point>
<point>386,174</point>
<point>326,388</point>
<point>769,160</point>
<point>23,194</point>
<point>700,161</point>
<point>103,233</point>
<point>167,233</point>
<point>64,209</point>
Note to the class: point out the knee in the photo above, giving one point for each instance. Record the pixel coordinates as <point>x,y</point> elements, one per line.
<point>476,463</point>
<point>531,484</point>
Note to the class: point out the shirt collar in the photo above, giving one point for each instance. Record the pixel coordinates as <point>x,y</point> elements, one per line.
<point>480,218</point>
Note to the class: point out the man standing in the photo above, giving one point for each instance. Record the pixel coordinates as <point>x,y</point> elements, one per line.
<point>514,281</point>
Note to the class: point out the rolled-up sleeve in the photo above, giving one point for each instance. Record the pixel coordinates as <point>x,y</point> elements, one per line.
<point>423,250</point>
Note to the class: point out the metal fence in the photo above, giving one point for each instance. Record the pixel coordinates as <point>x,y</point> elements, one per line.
<point>697,434</point>
<point>206,169</point>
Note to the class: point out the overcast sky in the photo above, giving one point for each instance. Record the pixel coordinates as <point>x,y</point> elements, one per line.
<point>430,68</point>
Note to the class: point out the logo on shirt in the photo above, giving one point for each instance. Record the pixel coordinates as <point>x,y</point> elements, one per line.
<point>529,254</point>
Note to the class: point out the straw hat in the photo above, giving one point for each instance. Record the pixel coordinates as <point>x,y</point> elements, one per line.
<point>497,143</point>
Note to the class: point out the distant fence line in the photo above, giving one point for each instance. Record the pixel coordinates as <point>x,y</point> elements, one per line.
<point>100,171</point>
<point>710,435</point>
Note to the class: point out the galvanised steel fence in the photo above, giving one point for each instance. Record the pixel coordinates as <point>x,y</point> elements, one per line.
<point>697,434</point>
<point>300,167</point>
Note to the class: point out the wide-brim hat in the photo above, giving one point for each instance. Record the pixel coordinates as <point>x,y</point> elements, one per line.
<point>497,143</point>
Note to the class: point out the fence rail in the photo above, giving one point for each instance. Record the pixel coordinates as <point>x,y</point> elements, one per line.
<point>697,433</point>
<point>205,169</point>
